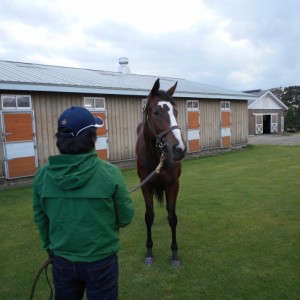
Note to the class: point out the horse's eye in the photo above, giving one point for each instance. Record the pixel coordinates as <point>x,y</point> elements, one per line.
<point>156,112</point>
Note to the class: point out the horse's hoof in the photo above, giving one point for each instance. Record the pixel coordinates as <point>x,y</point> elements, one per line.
<point>148,261</point>
<point>175,263</point>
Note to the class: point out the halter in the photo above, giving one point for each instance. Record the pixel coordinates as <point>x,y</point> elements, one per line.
<point>158,136</point>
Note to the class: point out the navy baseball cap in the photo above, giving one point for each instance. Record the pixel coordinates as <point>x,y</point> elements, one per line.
<point>77,119</point>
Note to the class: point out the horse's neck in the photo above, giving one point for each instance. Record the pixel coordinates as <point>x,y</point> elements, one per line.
<point>150,144</point>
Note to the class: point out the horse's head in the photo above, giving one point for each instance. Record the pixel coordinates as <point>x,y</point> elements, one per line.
<point>161,119</point>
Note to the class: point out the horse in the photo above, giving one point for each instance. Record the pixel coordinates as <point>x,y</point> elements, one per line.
<point>160,145</point>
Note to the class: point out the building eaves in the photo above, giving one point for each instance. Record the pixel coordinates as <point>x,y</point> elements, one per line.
<point>36,77</point>
<point>262,94</point>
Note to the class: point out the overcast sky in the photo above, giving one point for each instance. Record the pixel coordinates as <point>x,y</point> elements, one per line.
<point>235,44</point>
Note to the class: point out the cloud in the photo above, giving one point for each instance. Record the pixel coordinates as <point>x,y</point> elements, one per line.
<point>233,44</point>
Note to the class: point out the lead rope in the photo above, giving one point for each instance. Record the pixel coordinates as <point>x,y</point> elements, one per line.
<point>156,171</point>
<point>44,267</point>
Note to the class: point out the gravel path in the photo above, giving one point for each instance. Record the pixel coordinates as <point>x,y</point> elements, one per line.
<point>275,139</point>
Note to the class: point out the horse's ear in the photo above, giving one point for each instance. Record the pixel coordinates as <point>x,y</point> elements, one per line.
<point>171,91</point>
<point>154,89</point>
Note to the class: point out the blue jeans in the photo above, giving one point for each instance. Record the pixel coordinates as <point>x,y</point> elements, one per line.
<point>99,279</point>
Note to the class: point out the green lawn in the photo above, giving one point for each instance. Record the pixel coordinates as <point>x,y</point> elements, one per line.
<point>238,233</point>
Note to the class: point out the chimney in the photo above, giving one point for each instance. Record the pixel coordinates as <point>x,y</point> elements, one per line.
<point>123,68</point>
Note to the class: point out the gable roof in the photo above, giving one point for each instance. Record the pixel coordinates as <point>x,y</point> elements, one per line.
<point>263,93</point>
<point>38,77</point>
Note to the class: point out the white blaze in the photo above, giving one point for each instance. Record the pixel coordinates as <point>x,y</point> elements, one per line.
<point>173,122</point>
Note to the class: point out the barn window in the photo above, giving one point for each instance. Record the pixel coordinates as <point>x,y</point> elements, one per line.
<point>15,101</point>
<point>225,105</point>
<point>94,103</point>
<point>192,105</point>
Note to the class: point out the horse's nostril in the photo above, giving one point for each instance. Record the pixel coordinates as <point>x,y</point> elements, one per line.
<point>178,152</point>
<point>176,148</point>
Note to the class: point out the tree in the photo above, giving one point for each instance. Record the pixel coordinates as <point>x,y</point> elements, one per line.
<point>278,92</point>
<point>289,117</point>
<point>297,116</point>
<point>291,97</point>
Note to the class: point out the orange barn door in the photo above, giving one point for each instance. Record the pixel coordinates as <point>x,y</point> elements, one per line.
<point>193,131</point>
<point>20,159</point>
<point>102,139</point>
<point>226,129</point>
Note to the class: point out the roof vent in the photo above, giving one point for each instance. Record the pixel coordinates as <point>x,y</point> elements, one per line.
<point>123,68</point>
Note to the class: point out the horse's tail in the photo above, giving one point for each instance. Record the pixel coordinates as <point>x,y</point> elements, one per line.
<point>159,193</point>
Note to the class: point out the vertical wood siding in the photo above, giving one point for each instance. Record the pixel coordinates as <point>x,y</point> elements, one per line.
<point>123,115</point>
<point>251,117</point>
<point>239,122</point>
<point>182,116</point>
<point>210,130</point>
<point>47,108</point>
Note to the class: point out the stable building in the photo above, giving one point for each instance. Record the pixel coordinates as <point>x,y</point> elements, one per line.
<point>266,113</point>
<point>34,95</point>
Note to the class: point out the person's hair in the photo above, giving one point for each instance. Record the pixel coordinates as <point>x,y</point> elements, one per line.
<point>69,144</point>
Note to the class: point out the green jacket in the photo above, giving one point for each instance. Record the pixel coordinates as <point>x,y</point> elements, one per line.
<point>79,203</point>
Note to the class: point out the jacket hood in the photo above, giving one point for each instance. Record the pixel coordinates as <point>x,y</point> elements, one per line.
<point>68,171</point>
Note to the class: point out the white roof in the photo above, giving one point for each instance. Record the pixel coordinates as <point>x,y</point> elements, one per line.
<point>37,77</point>
<point>265,98</point>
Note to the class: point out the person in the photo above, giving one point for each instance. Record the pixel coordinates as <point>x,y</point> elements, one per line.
<point>79,204</point>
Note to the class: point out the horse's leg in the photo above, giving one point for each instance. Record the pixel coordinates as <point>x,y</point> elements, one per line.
<point>149,218</point>
<point>171,197</point>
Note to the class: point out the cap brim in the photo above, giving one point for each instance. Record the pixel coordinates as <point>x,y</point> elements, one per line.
<point>99,122</point>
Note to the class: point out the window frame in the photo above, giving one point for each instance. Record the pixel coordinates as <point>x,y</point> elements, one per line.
<point>225,105</point>
<point>16,106</point>
<point>194,105</point>
<point>93,106</point>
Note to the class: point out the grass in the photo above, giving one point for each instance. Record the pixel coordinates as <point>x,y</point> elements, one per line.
<point>238,233</point>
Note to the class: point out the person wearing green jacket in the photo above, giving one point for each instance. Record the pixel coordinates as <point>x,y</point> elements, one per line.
<point>79,204</point>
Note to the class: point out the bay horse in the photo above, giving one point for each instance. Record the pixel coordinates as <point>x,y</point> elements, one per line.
<point>160,142</point>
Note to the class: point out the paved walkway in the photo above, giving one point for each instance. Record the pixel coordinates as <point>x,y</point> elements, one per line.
<point>275,139</point>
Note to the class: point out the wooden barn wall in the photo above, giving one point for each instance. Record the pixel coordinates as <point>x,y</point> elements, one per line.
<point>251,117</point>
<point>210,121</point>
<point>210,118</point>
<point>123,115</point>
<point>239,122</point>
<point>182,116</point>
<point>47,108</point>
<point>251,122</point>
